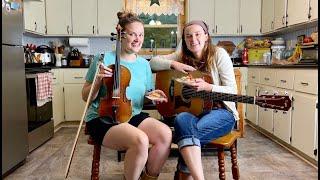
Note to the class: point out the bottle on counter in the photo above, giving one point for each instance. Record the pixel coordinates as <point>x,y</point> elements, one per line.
<point>64,61</point>
<point>245,56</point>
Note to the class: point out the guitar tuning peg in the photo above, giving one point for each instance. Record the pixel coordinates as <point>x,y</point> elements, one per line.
<point>112,38</point>
<point>113,34</point>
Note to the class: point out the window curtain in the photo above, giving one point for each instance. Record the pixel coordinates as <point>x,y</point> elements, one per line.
<point>167,7</point>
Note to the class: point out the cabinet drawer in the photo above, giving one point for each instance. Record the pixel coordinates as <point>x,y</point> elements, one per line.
<point>253,75</point>
<point>267,77</point>
<point>306,81</point>
<point>57,76</point>
<point>284,78</point>
<point>74,76</point>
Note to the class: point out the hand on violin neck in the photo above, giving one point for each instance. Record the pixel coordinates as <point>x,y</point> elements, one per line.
<point>104,71</point>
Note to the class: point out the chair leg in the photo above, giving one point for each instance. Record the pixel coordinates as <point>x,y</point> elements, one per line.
<point>95,162</point>
<point>235,167</point>
<point>222,171</point>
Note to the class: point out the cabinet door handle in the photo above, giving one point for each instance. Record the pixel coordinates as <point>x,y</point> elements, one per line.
<point>253,77</point>
<point>282,20</point>
<point>92,29</point>
<point>272,24</point>
<point>304,83</point>
<point>216,29</point>
<point>68,29</point>
<point>284,112</point>
<point>78,77</point>
<point>35,26</point>
<point>241,29</point>
<point>283,81</point>
<point>266,78</point>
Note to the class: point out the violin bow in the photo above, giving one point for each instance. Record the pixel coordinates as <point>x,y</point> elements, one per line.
<point>83,115</point>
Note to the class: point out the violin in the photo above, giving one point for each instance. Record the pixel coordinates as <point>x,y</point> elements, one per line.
<point>115,104</point>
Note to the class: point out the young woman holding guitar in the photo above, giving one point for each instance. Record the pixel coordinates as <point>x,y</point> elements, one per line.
<point>138,131</point>
<point>192,131</point>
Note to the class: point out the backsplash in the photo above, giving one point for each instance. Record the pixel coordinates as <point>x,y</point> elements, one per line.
<point>99,45</point>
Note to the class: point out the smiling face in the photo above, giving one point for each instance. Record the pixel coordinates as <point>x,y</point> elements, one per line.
<point>195,39</point>
<point>134,38</point>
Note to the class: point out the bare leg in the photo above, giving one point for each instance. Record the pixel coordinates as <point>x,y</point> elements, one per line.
<point>160,137</point>
<point>192,158</point>
<point>127,137</point>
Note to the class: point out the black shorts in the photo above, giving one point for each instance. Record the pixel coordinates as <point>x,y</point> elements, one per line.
<point>97,128</point>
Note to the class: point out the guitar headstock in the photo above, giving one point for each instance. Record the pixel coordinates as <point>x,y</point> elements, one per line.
<point>118,35</point>
<point>279,102</point>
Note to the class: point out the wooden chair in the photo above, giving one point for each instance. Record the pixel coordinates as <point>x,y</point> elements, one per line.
<point>229,141</point>
<point>95,157</point>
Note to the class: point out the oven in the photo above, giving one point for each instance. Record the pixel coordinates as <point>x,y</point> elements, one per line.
<point>40,119</point>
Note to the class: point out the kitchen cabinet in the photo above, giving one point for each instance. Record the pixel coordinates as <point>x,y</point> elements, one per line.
<point>267,15</point>
<point>84,17</point>
<point>58,15</point>
<point>297,11</point>
<point>199,12</point>
<point>34,16</point>
<point>304,119</point>
<point>58,96</point>
<point>73,83</point>
<point>280,13</point>
<point>226,13</point>
<point>296,127</point>
<point>250,17</point>
<point>313,10</point>
<point>107,26</point>
<point>265,114</point>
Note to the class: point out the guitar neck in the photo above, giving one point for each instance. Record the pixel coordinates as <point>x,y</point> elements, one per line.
<point>216,96</point>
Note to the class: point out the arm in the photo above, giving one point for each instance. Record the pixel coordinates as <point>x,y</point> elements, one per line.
<point>170,61</point>
<point>226,73</point>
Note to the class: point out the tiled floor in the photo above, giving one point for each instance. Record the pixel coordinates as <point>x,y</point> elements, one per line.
<point>258,157</point>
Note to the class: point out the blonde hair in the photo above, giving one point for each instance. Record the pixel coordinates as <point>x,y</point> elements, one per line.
<point>126,17</point>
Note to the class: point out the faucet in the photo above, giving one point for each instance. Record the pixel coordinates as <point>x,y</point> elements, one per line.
<point>153,48</point>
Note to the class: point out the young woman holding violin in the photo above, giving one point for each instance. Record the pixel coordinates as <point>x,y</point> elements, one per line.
<point>140,130</point>
<point>192,131</point>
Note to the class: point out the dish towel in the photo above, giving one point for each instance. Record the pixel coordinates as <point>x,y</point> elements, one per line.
<point>44,88</point>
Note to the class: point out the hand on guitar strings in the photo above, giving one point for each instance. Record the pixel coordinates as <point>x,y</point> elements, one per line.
<point>200,84</point>
<point>181,67</point>
<point>104,71</point>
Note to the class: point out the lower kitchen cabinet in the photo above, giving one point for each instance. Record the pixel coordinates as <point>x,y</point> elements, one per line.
<point>58,96</point>
<point>74,105</point>
<point>304,123</point>
<point>297,127</point>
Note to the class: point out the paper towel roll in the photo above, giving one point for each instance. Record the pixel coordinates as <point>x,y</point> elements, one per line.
<point>77,42</point>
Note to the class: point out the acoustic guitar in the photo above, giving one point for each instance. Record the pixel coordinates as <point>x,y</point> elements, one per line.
<point>183,98</point>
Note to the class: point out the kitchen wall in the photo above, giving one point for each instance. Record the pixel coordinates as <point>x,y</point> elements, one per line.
<point>99,45</point>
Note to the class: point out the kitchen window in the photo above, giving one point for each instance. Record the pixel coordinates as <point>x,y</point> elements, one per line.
<point>163,22</point>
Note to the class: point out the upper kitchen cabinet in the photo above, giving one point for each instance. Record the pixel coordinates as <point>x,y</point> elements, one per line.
<point>199,12</point>
<point>267,15</point>
<point>58,14</point>
<point>313,10</point>
<point>298,11</point>
<point>34,16</point>
<point>250,17</point>
<point>280,13</point>
<point>84,17</point>
<point>226,14</point>
<point>107,16</point>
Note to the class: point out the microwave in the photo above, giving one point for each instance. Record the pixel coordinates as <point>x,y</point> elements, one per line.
<point>309,54</point>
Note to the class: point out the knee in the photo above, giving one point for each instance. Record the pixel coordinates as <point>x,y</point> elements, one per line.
<point>141,142</point>
<point>166,136</point>
<point>181,119</point>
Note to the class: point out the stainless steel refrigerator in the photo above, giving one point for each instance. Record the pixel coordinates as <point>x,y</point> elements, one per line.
<point>14,98</point>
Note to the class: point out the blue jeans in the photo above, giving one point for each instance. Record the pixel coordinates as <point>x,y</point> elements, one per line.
<point>191,130</point>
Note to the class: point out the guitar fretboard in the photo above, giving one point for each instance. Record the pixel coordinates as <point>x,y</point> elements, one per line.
<point>216,96</point>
